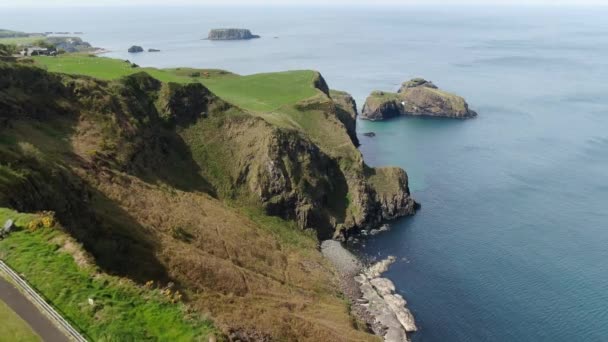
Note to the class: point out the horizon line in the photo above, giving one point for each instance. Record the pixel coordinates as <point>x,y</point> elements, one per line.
<point>310,5</point>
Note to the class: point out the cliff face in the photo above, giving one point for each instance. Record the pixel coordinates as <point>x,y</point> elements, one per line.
<point>139,170</point>
<point>231,34</point>
<point>346,111</point>
<point>416,97</point>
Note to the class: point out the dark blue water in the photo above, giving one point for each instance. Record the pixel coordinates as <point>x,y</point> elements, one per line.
<point>511,243</point>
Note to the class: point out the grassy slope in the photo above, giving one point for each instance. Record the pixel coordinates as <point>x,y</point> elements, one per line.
<point>13,328</point>
<point>56,266</point>
<point>259,92</point>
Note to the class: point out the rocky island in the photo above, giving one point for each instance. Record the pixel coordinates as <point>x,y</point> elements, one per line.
<point>135,49</point>
<point>231,34</point>
<point>417,97</point>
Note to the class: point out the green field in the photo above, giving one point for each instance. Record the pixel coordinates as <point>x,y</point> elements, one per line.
<point>20,40</point>
<point>55,265</point>
<point>13,328</point>
<point>259,92</point>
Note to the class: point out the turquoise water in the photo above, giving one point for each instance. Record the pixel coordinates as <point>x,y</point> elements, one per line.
<point>511,243</point>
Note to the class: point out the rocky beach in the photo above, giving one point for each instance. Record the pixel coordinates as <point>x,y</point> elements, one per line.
<point>373,297</point>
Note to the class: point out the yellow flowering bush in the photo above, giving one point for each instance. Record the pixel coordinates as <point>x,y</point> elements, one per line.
<point>45,219</point>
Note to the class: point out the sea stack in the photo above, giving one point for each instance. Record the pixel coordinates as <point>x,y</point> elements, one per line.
<point>417,97</point>
<point>231,34</point>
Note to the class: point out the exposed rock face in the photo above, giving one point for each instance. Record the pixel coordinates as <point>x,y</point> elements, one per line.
<point>416,97</point>
<point>347,113</point>
<point>295,175</point>
<point>231,34</point>
<point>136,49</point>
<point>319,83</point>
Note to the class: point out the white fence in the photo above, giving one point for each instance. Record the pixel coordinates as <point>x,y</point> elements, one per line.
<point>48,310</point>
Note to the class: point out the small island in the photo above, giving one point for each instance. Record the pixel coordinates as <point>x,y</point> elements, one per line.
<point>231,34</point>
<point>417,97</point>
<point>135,49</point>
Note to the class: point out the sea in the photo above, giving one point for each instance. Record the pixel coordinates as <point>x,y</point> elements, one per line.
<point>511,241</point>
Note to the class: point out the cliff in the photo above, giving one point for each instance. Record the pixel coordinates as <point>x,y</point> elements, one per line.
<point>173,183</point>
<point>231,34</point>
<point>346,112</point>
<point>416,97</point>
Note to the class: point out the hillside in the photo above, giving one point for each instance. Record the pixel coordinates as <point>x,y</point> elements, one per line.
<point>174,182</point>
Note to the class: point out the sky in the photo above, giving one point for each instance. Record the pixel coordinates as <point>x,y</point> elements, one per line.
<point>69,3</point>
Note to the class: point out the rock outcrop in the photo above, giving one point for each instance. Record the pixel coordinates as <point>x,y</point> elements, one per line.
<point>231,34</point>
<point>417,97</point>
<point>393,319</point>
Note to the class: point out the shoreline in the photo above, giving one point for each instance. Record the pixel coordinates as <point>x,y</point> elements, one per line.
<point>373,297</point>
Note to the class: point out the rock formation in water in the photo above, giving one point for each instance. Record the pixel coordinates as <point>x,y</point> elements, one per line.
<point>231,34</point>
<point>417,97</point>
<point>136,49</point>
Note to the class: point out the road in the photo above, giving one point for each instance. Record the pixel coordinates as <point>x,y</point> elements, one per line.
<point>30,313</point>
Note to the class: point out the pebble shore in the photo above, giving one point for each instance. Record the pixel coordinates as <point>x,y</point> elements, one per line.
<point>373,298</point>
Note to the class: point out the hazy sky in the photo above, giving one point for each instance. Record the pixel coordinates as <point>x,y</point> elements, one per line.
<point>57,3</point>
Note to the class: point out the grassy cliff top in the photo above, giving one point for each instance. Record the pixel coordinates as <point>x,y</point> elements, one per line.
<point>258,92</point>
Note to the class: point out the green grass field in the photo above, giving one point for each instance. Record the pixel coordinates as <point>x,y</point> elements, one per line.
<point>122,311</point>
<point>259,92</point>
<point>20,40</point>
<point>13,328</point>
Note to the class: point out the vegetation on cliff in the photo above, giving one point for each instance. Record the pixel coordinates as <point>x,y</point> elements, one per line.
<point>105,307</point>
<point>296,108</point>
<point>167,177</point>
